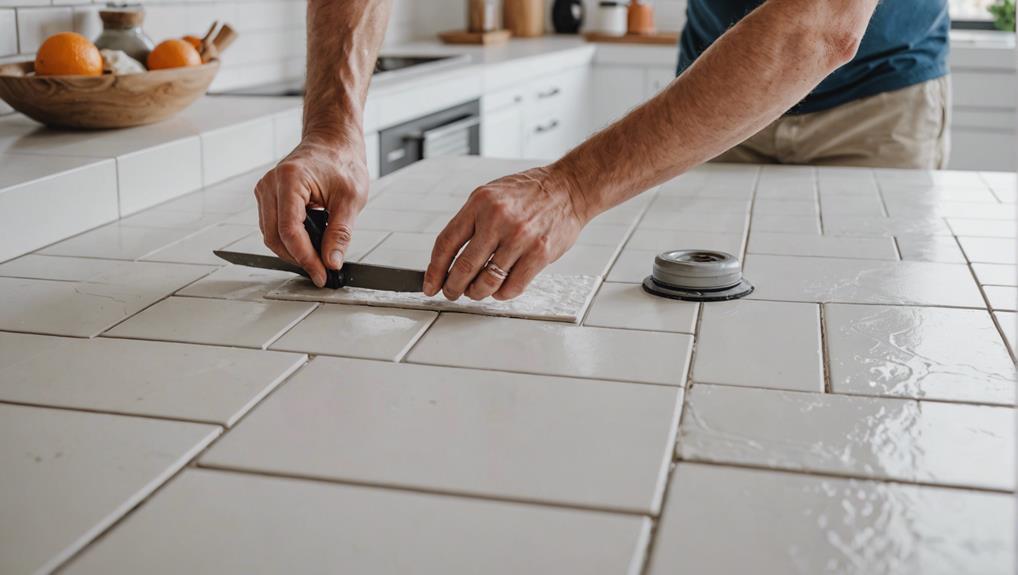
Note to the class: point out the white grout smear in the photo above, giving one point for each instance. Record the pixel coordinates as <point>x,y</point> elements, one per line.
<point>549,297</point>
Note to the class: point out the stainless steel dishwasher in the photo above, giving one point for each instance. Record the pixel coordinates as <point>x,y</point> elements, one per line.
<point>454,131</point>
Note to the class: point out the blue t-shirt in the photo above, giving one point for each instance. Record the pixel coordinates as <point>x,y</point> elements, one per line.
<point>906,43</point>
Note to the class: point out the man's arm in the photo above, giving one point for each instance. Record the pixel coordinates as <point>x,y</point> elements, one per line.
<point>751,75</point>
<point>329,167</point>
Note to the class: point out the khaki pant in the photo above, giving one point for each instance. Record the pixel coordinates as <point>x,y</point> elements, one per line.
<point>907,128</point>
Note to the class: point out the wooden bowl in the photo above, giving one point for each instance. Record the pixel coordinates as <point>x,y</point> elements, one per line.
<point>107,101</point>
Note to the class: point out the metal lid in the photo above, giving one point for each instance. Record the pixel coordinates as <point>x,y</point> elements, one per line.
<point>697,269</point>
<point>697,275</point>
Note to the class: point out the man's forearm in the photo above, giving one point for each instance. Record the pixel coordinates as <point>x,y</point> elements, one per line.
<point>344,37</point>
<point>755,72</point>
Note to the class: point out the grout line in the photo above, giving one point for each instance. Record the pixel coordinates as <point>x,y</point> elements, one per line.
<point>190,464</point>
<point>847,476</point>
<point>989,308</point>
<point>825,352</point>
<point>674,435</point>
<point>416,338</point>
<point>114,412</point>
<point>897,248</point>
<point>819,201</point>
<point>423,490</point>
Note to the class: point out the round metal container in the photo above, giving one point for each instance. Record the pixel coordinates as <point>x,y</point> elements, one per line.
<point>697,275</point>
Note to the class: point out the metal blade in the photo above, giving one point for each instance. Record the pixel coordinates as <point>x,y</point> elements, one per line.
<point>259,261</point>
<point>382,277</point>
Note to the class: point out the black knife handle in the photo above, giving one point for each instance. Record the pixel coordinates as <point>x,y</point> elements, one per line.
<point>315,224</point>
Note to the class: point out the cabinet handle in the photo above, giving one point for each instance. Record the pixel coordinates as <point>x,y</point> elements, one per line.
<point>517,99</point>
<point>546,127</point>
<point>549,93</point>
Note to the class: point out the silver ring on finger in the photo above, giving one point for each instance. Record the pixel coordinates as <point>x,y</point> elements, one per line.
<point>493,269</point>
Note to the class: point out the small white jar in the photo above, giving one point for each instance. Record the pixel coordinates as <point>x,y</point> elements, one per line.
<point>613,17</point>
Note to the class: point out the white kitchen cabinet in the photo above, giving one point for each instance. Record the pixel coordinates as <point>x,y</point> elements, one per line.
<point>657,79</point>
<point>371,144</point>
<point>616,90</point>
<point>502,133</point>
<point>558,113</point>
<point>983,119</point>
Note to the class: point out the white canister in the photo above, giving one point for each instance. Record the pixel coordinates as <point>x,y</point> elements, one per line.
<point>613,17</point>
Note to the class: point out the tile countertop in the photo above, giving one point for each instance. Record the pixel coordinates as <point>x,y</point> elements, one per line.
<point>862,398</point>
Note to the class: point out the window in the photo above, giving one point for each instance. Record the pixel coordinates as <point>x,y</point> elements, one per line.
<point>971,14</point>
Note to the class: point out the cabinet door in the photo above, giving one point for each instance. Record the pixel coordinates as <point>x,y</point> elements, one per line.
<point>371,145</point>
<point>502,133</point>
<point>656,79</point>
<point>616,90</point>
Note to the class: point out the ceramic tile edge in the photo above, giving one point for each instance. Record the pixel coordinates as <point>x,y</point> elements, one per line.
<point>124,509</point>
<point>299,361</point>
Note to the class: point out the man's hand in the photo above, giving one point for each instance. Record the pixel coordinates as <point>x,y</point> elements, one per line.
<point>331,176</point>
<point>521,223</point>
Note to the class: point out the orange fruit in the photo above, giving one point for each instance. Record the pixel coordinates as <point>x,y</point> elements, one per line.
<point>68,54</point>
<point>173,53</point>
<point>194,41</point>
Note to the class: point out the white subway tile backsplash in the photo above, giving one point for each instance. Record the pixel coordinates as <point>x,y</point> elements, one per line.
<point>36,24</point>
<point>8,33</point>
<point>86,21</point>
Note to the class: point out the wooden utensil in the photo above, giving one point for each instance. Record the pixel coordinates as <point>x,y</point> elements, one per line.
<point>524,18</point>
<point>106,101</point>
<point>477,38</point>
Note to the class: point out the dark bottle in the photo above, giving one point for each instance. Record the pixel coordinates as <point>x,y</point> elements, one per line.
<point>567,16</point>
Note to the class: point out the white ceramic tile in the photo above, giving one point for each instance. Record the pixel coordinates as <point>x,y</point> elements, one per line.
<point>628,306</point>
<point>876,226</point>
<point>983,228</point>
<point>919,209</point>
<point>786,523</point>
<point>417,202</point>
<point>838,205</point>
<point>632,266</point>
<point>1002,297</point>
<point>585,443</point>
<point>549,297</point>
<point>286,126</point>
<point>821,246</point>
<point>411,259</point>
<point>684,221</point>
<point>786,224</point>
<point>788,278</point>
<point>940,194</point>
<point>786,208</point>
<point>9,35</point>
<point>37,24</point>
<point>69,475</point>
<point>760,344</point>
<point>899,439</point>
<point>988,274</point>
<point>160,217</point>
<point>787,192</point>
<point>555,349</point>
<point>237,282</point>
<point>708,205</point>
<point>930,249</point>
<point>603,235</point>
<point>357,331</point>
<point>170,380</point>
<point>230,151</point>
<point>226,202</point>
<point>662,240</point>
<point>197,248</point>
<point>918,352</point>
<point>214,321</point>
<point>400,220</point>
<point>230,523</point>
<point>155,175</point>
<point>35,189</point>
<point>1006,320</point>
<point>59,268</point>
<point>583,260</point>
<point>117,241</point>
<point>990,250</point>
<point>87,308</point>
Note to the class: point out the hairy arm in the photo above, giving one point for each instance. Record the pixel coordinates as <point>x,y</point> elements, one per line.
<point>750,76</point>
<point>329,167</point>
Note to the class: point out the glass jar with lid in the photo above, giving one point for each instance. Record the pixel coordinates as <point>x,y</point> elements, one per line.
<point>122,31</point>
